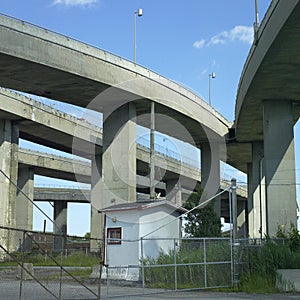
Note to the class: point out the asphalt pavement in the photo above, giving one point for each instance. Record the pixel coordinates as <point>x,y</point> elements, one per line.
<point>10,290</point>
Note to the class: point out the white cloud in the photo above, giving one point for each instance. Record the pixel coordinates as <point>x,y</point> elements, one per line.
<point>74,2</point>
<point>199,44</point>
<point>242,33</point>
<point>238,33</point>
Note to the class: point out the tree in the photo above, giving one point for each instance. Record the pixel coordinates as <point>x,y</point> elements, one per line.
<point>87,235</point>
<point>201,222</point>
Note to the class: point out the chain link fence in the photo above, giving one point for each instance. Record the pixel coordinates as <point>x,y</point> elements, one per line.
<point>168,264</point>
<point>32,268</point>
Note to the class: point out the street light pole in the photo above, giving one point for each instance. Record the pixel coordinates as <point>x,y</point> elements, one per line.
<point>138,12</point>
<point>256,23</point>
<point>212,75</point>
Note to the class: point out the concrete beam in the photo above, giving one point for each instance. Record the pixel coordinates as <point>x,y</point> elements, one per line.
<point>56,166</point>
<point>47,126</point>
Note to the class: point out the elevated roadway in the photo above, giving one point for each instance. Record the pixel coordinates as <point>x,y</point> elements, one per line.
<point>267,107</point>
<point>47,126</point>
<point>40,62</point>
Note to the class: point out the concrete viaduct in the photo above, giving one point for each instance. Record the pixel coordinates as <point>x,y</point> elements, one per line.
<point>43,63</point>
<point>267,107</point>
<point>63,168</point>
<point>38,122</point>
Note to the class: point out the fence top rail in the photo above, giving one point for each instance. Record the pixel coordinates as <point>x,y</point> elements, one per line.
<point>170,239</point>
<point>49,233</point>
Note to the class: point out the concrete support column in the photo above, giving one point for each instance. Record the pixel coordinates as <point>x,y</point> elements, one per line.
<point>119,156</point>
<point>24,208</point>
<point>250,200</point>
<point>174,191</point>
<point>256,193</point>
<point>9,137</point>
<point>210,173</point>
<point>97,219</point>
<point>242,220</point>
<point>60,224</point>
<point>279,162</point>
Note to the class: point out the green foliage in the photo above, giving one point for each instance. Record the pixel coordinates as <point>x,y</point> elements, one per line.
<point>87,235</point>
<point>291,236</point>
<point>257,284</point>
<point>260,263</point>
<point>202,222</point>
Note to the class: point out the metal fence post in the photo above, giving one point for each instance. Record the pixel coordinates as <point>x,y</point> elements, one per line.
<point>60,283</point>
<point>142,261</point>
<point>234,230</point>
<point>100,266</point>
<point>204,260</point>
<point>22,265</point>
<point>175,266</point>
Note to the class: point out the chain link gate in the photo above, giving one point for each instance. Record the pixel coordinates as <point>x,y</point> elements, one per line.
<point>30,269</point>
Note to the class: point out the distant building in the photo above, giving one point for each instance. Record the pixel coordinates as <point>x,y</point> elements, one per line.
<point>136,230</point>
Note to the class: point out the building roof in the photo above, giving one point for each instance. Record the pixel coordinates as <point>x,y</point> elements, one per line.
<point>142,206</point>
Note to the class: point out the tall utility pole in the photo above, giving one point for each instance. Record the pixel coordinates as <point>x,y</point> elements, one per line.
<point>152,153</point>
<point>212,75</point>
<point>138,12</point>
<point>256,23</point>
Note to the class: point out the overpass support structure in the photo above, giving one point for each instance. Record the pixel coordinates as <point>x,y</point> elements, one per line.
<point>24,207</point>
<point>114,175</point>
<point>210,172</point>
<point>256,193</point>
<point>9,138</point>
<point>60,225</point>
<point>174,191</point>
<point>279,165</point>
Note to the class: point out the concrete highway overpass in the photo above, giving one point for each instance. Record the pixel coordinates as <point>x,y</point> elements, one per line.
<point>46,164</point>
<point>267,107</point>
<point>44,125</point>
<point>40,62</point>
<point>47,126</point>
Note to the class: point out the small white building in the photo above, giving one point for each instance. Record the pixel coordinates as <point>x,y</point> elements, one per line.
<point>136,230</point>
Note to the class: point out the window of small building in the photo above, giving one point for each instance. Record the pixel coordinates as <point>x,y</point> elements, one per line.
<point>114,235</point>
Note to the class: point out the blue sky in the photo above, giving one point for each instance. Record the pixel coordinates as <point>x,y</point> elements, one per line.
<point>182,40</point>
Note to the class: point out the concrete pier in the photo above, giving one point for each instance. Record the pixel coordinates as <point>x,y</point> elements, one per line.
<point>279,163</point>
<point>256,193</point>
<point>119,156</point>
<point>24,208</point>
<point>210,172</point>
<point>60,224</point>
<point>174,191</point>
<point>9,135</point>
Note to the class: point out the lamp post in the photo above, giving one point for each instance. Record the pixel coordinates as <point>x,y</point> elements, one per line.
<point>212,75</point>
<point>256,23</point>
<point>138,12</point>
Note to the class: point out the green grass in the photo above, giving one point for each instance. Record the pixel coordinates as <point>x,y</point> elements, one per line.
<point>79,259</point>
<point>80,274</point>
